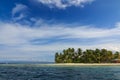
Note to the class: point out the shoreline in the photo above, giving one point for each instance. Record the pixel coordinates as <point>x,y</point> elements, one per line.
<point>65,64</point>
<point>78,64</point>
<point>84,64</point>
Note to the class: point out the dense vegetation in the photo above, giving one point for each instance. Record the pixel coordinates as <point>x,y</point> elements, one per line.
<point>88,56</point>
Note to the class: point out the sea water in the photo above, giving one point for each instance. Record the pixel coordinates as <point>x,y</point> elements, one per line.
<point>39,72</point>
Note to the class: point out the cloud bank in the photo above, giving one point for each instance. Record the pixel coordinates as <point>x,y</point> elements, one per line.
<point>15,32</point>
<point>38,42</point>
<point>62,4</point>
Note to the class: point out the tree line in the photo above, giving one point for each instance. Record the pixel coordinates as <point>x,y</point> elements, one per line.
<point>88,56</point>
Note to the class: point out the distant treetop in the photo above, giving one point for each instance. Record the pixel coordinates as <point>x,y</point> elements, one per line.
<point>88,56</point>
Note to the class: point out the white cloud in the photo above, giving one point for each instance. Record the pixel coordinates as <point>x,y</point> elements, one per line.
<point>118,24</point>
<point>16,38</point>
<point>14,32</point>
<point>62,4</point>
<point>21,16</point>
<point>19,9</point>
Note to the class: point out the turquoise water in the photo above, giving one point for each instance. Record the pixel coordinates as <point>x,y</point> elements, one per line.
<point>38,72</point>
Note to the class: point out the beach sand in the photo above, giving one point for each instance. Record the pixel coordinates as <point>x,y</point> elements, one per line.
<point>83,64</point>
<point>63,64</point>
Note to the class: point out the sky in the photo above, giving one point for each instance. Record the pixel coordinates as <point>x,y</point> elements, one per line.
<point>33,30</point>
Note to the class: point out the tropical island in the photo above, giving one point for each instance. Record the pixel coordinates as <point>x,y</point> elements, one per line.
<point>87,56</point>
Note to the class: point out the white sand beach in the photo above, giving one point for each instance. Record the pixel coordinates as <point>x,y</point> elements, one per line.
<point>83,64</point>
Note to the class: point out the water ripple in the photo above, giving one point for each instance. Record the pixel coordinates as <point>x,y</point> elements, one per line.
<point>59,73</point>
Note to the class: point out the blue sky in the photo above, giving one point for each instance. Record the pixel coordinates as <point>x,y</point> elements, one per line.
<point>33,30</point>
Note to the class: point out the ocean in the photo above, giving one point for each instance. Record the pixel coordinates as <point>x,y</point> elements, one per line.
<point>41,72</point>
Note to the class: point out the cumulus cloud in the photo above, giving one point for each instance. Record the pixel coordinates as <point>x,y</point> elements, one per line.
<point>62,4</point>
<point>28,42</point>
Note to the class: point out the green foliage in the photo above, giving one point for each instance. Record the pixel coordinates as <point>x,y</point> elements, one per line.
<point>116,55</point>
<point>88,56</point>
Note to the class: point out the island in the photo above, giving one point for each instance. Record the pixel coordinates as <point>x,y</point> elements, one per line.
<point>71,55</point>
